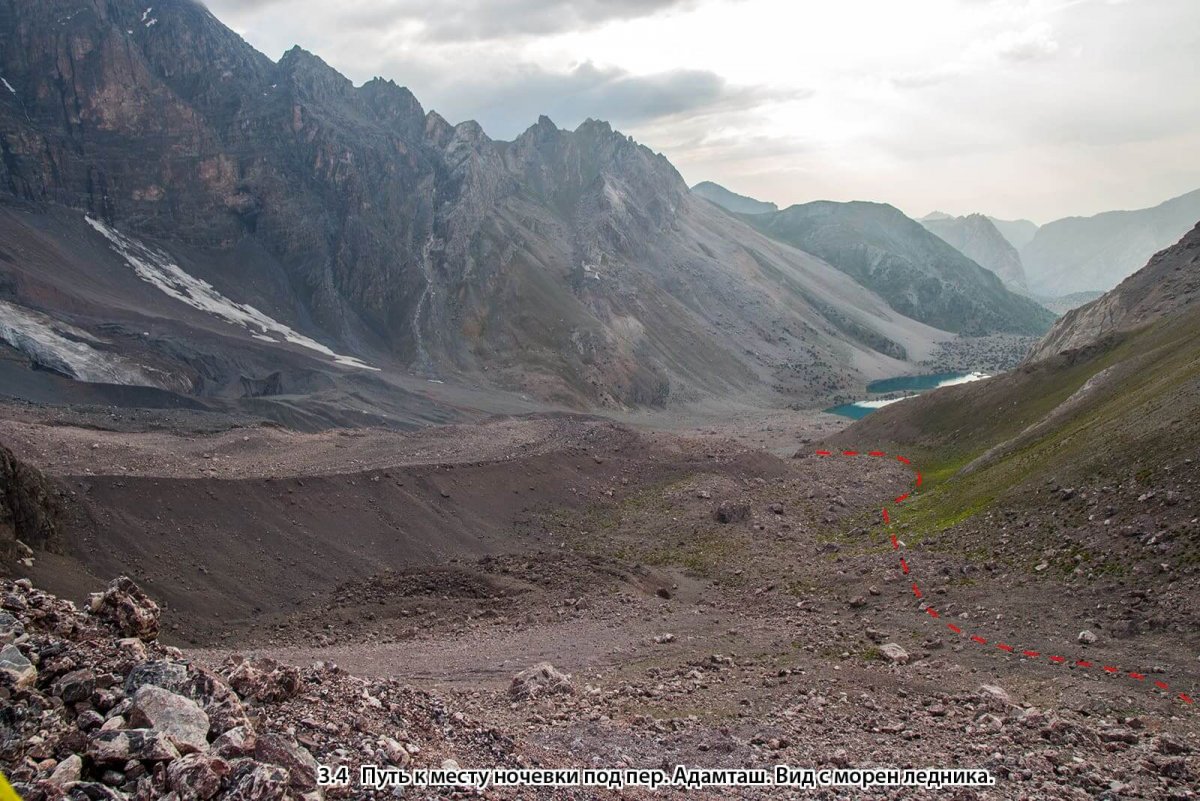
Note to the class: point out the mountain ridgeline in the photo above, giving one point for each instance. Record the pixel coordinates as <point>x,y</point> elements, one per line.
<point>1080,254</point>
<point>575,266</point>
<point>919,274</point>
<point>732,201</point>
<point>978,238</point>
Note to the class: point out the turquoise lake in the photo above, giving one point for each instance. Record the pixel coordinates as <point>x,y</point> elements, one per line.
<point>908,383</point>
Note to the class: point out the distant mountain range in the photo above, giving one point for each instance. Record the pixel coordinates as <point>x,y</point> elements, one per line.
<point>739,204</point>
<point>919,274</point>
<point>978,238</point>
<point>1061,263</point>
<point>1019,233</point>
<point>1167,285</point>
<point>1078,254</point>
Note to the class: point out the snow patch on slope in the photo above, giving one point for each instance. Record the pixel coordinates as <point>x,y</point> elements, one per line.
<point>156,268</point>
<point>69,350</point>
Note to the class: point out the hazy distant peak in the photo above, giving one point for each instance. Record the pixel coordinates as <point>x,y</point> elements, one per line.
<point>731,201</point>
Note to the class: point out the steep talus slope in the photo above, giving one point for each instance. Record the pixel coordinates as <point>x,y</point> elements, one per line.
<point>915,271</point>
<point>732,201</point>
<point>574,266</point>
<point>1170,282</point>
<point>1077,254</point>
<point>977,238</point>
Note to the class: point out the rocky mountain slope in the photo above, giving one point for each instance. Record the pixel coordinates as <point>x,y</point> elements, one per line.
<point>1082,460</point>
<point>731,201</point>
<point>919,275</point>
<point>1019,233</point>
<point>351,236</point>
<point>977,238</point>
<point>1077,254</point>
<point>1167,285</point>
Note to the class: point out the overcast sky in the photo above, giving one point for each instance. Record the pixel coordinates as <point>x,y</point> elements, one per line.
<point>1017,108</point>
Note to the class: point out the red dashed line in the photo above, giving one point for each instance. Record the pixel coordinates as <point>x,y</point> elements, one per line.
<point>929,610</point>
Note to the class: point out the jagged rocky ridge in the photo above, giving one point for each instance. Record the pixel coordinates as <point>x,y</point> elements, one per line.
<point>573,265</point>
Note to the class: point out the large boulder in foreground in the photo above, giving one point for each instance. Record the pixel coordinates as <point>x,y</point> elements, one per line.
<point>125,607</point>
<point>541,679</point>
<point>181,719</point>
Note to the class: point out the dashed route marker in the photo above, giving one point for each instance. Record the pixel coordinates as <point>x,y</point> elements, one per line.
<point>907,569</point>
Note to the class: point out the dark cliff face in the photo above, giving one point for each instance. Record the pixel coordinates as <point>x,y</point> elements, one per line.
<point>29,508</point>
<point>574,265</point>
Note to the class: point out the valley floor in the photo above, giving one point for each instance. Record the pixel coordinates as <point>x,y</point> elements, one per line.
<point>721,595</point>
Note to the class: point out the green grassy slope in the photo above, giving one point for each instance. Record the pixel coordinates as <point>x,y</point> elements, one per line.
<point>1122,408</point>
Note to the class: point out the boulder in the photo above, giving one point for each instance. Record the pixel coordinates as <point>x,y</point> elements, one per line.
<point>894,653</point>
<point>237,742</point>
<point>541,679</point>
<point>67,771</point>
<point>1087,638</point>
<point>15,670</point>
<point>263,680</point>
<point>996,698</point>
<point>284,751</point>
<point>10,628</point>
<point>75,686</point>
<point>253,781</point>
<point>118,746</point>
<point>180,719</point>
<point>127,609</point>
<point>196,777</point>
<point>731,512</point>
<point>216,698</point>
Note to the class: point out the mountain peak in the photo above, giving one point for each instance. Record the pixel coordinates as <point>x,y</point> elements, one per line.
<point>595,127</point>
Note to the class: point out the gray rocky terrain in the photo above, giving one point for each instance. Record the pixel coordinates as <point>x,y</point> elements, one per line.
<point>977,238</point>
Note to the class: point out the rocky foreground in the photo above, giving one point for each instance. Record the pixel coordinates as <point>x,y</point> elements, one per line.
<point>93,707</point>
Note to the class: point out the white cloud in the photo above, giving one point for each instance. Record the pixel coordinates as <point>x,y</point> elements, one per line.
<point>1034,108</point>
